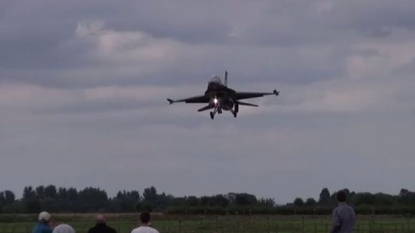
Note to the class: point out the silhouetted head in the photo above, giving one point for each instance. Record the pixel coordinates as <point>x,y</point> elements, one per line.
<point>341,196</point>
<point>100,219</point>
<point>63,228</point>
<point>145,218</point>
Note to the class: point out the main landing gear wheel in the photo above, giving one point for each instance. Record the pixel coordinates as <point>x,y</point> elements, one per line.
<point>212,115</point>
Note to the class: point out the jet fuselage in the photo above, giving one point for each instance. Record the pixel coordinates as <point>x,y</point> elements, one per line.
<point>220,95</point>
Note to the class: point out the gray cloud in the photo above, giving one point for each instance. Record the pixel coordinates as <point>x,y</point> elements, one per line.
<point>259,43</point>
<point>372,16</point>
<point>84,87</point>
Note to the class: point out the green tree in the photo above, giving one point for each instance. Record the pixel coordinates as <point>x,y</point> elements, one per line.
<point>324,197</point>
<point>310,202</point>
<point>298,201</point>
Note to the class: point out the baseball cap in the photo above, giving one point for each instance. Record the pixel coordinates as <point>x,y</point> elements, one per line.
<point>44,216</point>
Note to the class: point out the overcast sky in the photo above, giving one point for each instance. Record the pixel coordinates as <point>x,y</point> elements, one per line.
<point>84,85</point>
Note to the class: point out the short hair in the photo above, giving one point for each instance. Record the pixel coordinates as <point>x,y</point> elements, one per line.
<point>341,196</point>
<point>100,218</point>
<point>145,217</point>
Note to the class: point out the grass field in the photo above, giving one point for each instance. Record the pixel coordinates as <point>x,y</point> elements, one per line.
<point>228,224</point>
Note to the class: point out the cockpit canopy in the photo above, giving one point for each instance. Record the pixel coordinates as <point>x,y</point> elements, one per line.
<point>215,79</point>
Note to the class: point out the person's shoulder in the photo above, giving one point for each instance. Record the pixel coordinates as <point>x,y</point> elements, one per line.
<point>136,230</point>
<point>154,230</point>
<point>144,230</point>
<point>335,209</point>
<point>111,229</point>
<point>47,230</point>
<point>348,206</point>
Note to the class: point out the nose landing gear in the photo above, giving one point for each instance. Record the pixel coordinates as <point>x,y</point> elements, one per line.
<point>219,111</point>
<point>216,110</point>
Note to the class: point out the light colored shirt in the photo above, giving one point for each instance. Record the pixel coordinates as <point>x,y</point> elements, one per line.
<point>344,219</point>
<point>144,229</point>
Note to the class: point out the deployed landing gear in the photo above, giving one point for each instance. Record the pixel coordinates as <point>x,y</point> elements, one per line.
<point>235,112</point>
<point>217,109</point>
<point>212,114</point>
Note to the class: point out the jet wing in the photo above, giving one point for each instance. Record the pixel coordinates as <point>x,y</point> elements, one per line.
<point>192,100</point>
<point>249,95</point>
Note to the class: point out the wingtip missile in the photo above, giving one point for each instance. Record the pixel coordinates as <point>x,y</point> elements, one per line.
<point>276,92</point>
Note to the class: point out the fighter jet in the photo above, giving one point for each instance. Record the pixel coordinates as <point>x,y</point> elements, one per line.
<point>219,97</point>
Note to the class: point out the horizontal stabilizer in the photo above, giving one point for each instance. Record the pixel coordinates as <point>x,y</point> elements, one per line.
<point>246,104</point>
<point>170,101</point>
<point>205,108</point>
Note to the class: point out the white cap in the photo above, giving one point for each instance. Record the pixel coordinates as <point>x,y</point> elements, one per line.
<point>44,216</point>
<point>63,228</point>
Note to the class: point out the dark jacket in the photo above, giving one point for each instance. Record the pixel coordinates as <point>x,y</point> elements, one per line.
<point>102,228</point>
<point>42,228</point>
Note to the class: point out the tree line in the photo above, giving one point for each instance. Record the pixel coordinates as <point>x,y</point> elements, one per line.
<point>88,200</point>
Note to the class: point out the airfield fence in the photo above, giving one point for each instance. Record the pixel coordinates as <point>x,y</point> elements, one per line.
<point>231,224</point>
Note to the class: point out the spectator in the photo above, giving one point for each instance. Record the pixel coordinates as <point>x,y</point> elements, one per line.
<point>145,224</point>
<point>343,215</point>
<point>101,226</point>
<point>43,225</point>
<point>63,228</point>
